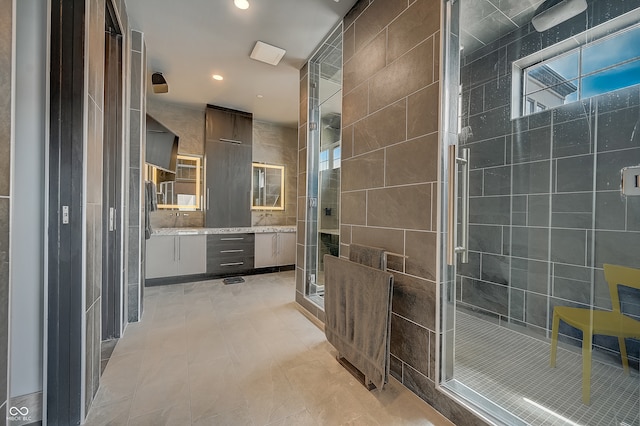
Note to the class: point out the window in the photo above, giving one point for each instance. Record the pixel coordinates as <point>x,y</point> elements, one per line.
<point>609,63</point>
<point>324,160</point>
<point>336,158</point>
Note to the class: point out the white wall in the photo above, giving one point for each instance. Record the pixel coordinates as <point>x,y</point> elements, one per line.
<point>27,227</point>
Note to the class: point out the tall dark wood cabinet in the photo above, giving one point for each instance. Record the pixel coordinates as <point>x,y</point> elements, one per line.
<point>228,156</point>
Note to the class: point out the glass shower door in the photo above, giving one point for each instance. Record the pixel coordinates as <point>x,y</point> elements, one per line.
<point>323,163</point>
<point>551,242</point>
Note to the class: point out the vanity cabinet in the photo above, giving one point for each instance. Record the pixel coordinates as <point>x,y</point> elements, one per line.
<point>229,254</point>
<point>275,249</point>
<point>170,256</point>
<point>228,167</point>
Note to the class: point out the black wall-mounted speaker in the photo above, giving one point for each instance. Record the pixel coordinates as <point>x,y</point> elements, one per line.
<point>159,83</point>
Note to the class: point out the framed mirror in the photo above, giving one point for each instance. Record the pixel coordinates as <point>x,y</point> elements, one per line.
<point>267,187</point>
<point>181,190</point>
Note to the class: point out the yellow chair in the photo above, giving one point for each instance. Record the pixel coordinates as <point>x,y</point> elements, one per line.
<point>610,323</point>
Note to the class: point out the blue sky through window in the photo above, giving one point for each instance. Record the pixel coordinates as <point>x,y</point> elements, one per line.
<point>611,51</point>
<point>603,66</point>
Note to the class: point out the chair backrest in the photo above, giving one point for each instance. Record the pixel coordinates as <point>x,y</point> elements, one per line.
<point>620,275</point>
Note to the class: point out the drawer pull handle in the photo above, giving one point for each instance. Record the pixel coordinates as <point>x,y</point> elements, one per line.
<point>232,239</point>
<point>232,264</point>
<point>234,141</point>
<point>231,251</point>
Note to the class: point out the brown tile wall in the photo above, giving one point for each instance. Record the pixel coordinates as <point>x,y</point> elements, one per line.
<point>391,152</point>
<point>390,172</point>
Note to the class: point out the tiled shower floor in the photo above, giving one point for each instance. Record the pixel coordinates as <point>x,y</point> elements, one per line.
<point>510,368</point>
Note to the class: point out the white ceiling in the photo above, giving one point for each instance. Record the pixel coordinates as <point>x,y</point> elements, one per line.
<point>189,41</point>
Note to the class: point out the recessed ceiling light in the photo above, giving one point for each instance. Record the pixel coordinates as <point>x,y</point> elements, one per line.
<point>241,4</point>
<point>218,77</point>
<point>259,96</point>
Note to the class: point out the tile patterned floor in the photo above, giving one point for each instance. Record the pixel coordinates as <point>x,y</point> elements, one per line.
<point>507,367</point>
<point>243,354</point>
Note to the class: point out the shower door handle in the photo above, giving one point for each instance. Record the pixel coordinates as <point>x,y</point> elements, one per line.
<point>453,247</point>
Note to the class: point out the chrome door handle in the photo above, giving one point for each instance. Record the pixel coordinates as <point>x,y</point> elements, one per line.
<point>453,248</point>
<point>207,198</point>
<point>464,162</point>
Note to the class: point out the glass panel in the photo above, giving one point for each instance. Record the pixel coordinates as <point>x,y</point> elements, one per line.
<point>611,79</point>
<point>551,97</point>
<point>543,77</point>
<point>323,163</point>
<point>566,66</point>
<point>536,327</point>
<point>611,51</point>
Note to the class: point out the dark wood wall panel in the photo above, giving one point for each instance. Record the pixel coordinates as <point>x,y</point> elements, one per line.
<point>64,330</point>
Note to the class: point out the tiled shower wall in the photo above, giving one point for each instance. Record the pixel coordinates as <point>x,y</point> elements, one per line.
<point>137,136</point>
<point>6,78</point>
<point>545,207</point>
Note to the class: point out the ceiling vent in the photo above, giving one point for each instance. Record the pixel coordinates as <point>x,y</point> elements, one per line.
<point>158,83</point>
<point>267,53</point>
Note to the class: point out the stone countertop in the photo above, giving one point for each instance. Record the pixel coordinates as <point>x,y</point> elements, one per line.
<point>237,230</point>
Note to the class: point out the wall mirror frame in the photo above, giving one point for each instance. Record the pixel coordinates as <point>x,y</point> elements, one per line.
<point>267,187</point>
<point>181,190</point>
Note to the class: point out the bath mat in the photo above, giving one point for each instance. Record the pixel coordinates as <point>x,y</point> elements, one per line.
<point>233,280</point>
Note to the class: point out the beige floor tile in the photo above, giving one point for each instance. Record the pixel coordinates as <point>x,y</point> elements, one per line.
<point>209,347</point>
<point>114,414</point>
<point>270,396</point>
<point>237,417</point>
<point>301,418</point>
<point>213,354</point>
<point>159,395</point>
<point>163,383</point>
<point>175,415</point>
<point>214,389</point>
<point>337,408</point>
<point>170,339</point>
<point>119,380</point>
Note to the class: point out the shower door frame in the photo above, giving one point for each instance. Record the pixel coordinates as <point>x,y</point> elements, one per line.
<point>452,161</point>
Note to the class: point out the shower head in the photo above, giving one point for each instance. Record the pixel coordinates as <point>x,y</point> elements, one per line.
<point>553,12</point>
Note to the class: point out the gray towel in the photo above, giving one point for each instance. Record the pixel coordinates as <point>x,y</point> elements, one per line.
<point>365,255</point>
<point>150,204</point>
<point>357,303</point>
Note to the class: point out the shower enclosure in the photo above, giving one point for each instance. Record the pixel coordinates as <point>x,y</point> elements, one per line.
<point>323,162</point>
<point>538,127</point>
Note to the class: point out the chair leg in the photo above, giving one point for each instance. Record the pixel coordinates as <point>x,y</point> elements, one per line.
<point>623,355</point>
<point>554,338</point>
<point>586,366</point>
